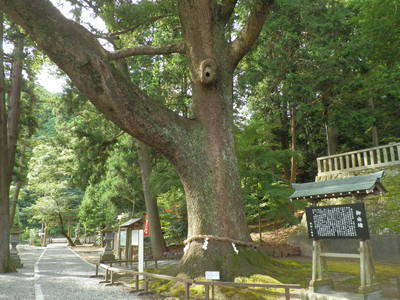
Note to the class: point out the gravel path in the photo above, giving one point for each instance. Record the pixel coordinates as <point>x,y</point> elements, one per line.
<point>56,272</point>
<point>20,286</point>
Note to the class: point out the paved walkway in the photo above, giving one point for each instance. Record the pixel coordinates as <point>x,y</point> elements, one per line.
<point>56,272</point>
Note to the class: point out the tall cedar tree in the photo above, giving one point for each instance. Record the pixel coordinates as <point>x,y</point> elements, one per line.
<point>9,129</point>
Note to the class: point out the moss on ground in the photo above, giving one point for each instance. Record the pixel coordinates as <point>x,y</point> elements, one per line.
<point>384,273</point>
<point>271,271</point>
<point>274,272</point>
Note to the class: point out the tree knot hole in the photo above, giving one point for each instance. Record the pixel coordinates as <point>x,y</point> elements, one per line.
<point>208,71</point>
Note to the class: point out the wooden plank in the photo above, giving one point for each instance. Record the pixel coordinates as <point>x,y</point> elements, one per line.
<point>330,164</point>
<point>385,155</point>
<point>248,285</point>
<point>314,261</point>
<point>319,165</point>
<point>342,166</point>
<point>167,277</point>
<point>137,282</point>
<point>353,161</point>
<point>187,291</point>
<point>359,160</point>
<point>347,157</point>
<point>392,158</point>
<point>372,157</point>
<point>365,157</point>
<point>335,164</point>
<point>355,152</point>
<point>398,152</point>
<point>287,294</point>
<point>378,155</point>
<point>325,162</point>
<point>362,264</point>
<point>207,292</point>
<point>340,255</point>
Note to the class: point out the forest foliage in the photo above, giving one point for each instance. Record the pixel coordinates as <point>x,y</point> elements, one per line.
<point>323,73</point>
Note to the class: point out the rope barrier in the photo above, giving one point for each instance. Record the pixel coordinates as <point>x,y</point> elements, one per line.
<point>220,239</point>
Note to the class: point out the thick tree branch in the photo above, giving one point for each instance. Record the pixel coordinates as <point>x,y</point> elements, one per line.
<point>76,51</point>
<point>147,50</point>
<point>226,9</point>
<point>246,38</point>
<point>133,28</point>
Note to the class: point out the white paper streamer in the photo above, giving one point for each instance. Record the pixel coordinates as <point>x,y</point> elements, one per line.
<point>235,249</point>
<point>186,248</point>
<point>205,245</point>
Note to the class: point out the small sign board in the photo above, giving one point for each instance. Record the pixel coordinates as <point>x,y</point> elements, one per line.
<point>337,222</point>
<point>212,275</point>
<point>135,238</point>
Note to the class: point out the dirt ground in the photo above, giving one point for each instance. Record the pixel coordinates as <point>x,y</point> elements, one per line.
<point>274,242</point>
<point>89,252</point>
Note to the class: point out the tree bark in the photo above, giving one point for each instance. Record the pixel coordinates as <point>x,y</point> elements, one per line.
<point>14,107</point>
<point>293,167</point>
<point>65,234</point>
<point>156,236</point>
<point>201,149</point>
<point>5,262</point>
<point>374,128</point>
<point>14,111</point>
<point>9,132</point>
<point>331,139</point>
<point>14,202</point>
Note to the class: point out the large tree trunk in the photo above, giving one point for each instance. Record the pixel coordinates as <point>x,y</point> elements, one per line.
<point>5,262</point>
<point>14,107</point>
<point>201,149</point>
<point>14,111</point>
<point>156,236</point>
<point>208,168</point>
<point>8,141</point>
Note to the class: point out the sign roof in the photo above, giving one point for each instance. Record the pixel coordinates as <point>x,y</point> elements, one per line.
<point>130,222</point>
<point>343,187</point>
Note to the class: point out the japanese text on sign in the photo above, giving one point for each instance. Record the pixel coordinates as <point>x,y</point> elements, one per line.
<point>337,222</point>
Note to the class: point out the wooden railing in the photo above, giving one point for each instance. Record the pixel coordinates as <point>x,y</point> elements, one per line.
<point>376,157</point>
<point>110,271</point>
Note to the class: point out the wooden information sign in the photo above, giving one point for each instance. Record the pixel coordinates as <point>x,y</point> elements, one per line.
<point>337,222</point>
